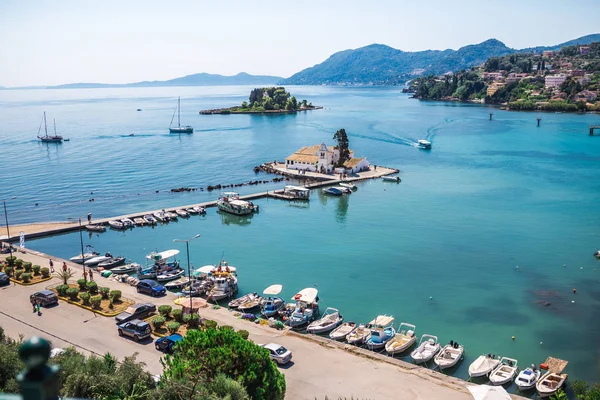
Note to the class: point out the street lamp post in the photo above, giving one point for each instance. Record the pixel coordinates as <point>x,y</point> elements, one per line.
<point>7,231</point>
<point>82,253</point>
<point>187,248</point>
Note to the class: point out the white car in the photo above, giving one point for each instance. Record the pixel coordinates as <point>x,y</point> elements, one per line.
<point>278,353</point>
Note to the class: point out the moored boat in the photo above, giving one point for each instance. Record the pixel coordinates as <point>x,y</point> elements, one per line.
<point>527,378</point>
<point>160,216</point>
<point>330,320</point>
<point>402,340</point>
<point>95,228</point>
<point>389,178</point>
<point>250,304</point>
<point>236,302</point>
<point>230,202</point>
<point>333,191</point>
<point>169,275</point>
<point>505,371</point>
<point>114,224</point>
<point>343,330</point>
<point>112,262</point>
<point>450,355</point>
<point>358,335</point>
<point>342,189</point>
<point>348,185</point>
<point>549,383</point>
<point>272,303</point>
<point>483,365</point>
<point>306,308</point>
<point>177,284</point>
<point>199,210</point>
<point>597,254</point>
<point>128,223</point>
<point>428,347</point>
<point>171,215</point>
<point>182,213</point>
<point>126,269</point>
<point>149,219</point>
<point>78,259</point>
<point>225,285</point>
<point>139,221</point>
<point>97,260</point>
<point>382,332</point>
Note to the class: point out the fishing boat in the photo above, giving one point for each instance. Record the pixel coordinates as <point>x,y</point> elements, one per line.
<point>358,335</point>
<point>483,365</point>
<point>348,185</point>
<point>402,340</point>
<point>330,320</point>
<point>342,331</point>
<point>230,202</point>
<point>112,262</point>
<point>250,304</point>
<point>505,371</point>
<point>128,223</point>
<point>116,224</point>
<point>126,269</point>
<point>197,288</point>
<point>272,303</point>
<point>306,308</point>
<point>240,300</point>
<point>78,259</point>
<point>182,213</point>
<point>424,144</point>
<point>170,274</point>
<point>177,284</point>
<point>549,383</point>
<point>382,332</point>
<point>95,228</point>
<point>48,138</point>
<point>97,260</point>
<point>333,191</point>
<point>450,355</point>
<point>428,347</point>
<point>527,378</point>
<point>388,178</point>
<point>179,128</point>
<point>144,273</point>
<point>149,219</point>
<point>139,221</point>
<point>224,287</point>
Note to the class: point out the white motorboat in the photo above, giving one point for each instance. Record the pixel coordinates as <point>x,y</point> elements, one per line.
<point>139,221</point>
<point>527,378</point>
<point>333,191</point>
<point>191,211</point>
<point>348,185</point>
<point>78,259</point>
<point>549,383</point>
<point>169,275</point>
<point>230,202</point>
<point>127,222</point>
<point>450,355</point>
<point>505,371</point>
<point>342,189</point>
<point>388,178</point>
<point>149,219</point>
<point>182,213</point>
<point>331,319</point>
<point>116,224</point>
<point>199,210</point>
<point>95,228</point>
<point>272,303</point>
<point>306,308</point>
<point>125,269</point>
<point>160,216</point>
<point>112,262</point>
<point>382,332</point>
<point>342,331</point>
<point>178,284</point>
<point>428,347</point>
<point>171,215</point>
<point>402,340</point>
<point>597,254</point>
<point>424,144</point>
<point>483,365</point>
<point>358,335</point>
<point>97,260</point>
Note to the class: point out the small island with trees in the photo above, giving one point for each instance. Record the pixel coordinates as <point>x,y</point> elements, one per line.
<point>267,100</point>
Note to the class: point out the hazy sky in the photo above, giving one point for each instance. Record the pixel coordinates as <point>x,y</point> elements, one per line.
<point>64,41</point>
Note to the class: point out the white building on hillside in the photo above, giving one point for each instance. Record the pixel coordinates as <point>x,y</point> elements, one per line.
<point>322,159</point>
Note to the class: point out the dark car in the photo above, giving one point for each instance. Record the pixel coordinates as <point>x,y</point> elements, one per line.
<point>136,311</point>
<point>45,297</point>
<point>166,343</point>
<point>4,279</point>
<point>150,287</point>
<point>135,329</point>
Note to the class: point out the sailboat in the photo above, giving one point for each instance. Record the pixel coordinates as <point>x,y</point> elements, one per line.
<point>179,128</point>
<point>49,138</point>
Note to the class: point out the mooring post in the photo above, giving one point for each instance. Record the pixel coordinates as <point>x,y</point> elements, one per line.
<point>591,131</point>
<point>491,116</point>
<point>538,120</point>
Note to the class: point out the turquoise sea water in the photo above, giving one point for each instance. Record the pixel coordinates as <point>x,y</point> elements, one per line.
<point>490,195</point>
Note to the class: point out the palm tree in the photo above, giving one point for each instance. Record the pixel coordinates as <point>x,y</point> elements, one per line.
<point>65,275</point>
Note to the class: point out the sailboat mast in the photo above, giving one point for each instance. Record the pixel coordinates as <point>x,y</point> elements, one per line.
<point>45,125</point>
<point>178,111</point>
<point>55,127</point>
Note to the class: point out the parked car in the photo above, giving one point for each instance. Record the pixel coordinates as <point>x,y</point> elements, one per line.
<point>166,343</point>
<point>150,287</point>
<point>45,297</point>
<point>4,279</point>
<point>136,329</point>
<point>278,353</point>
<point>136,311</point>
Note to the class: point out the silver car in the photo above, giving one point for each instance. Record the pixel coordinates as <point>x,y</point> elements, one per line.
<point>278,353</point>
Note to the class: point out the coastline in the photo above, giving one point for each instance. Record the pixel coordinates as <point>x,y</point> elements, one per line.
<point>504,107</point>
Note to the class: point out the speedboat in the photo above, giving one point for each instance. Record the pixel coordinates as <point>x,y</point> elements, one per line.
<point>171,215</point>
<point>149,219</point>
<point>450,355</point>
<point>428,347</point>
<point>331,319</point>
<point>125,269</point>
<point>112,262</point>
<point>230,202</point>
<point>549,384</point>
<point>333,191</point>
<point>95,228</point>
<point>348,185</point>
<point>382,332</point>
<point>97,260</point>
<point>402,340</point>
<point>597,254</point>
<point>505,371</point>
<point>358,335</point>
<point>342,331</point>
<point>342,189</point>
<point>272,303</point>
<point>170,274</point>
<point>182,213</point>
<point>160,216</point>
<point>424,144</point>
<point>483,365</point>
<point>139,221</point>
<point>127,222</point>
<point>116,224</point>
<point>78,259</point>
<point>527,378</point>
<point>178,284</point>
<point>306,308</point>
<point>388,178</point>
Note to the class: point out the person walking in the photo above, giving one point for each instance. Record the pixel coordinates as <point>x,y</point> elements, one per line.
<point>85,275</point>
<point>33,303</point>
<point>91,276</point>
<point>38,307</point>
<point>51,266</point>
<point>64,266</point>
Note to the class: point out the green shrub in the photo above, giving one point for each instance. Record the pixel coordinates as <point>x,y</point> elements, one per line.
<point>95,301</point>
<point>18,273</point>
<point>104,291</point>
<point>9,270</point>
<point>82,284</point>
<point>26,276</point>
<point>115,295</point>
<point>243,333</point>
<point>85,296</point>
<point>177,314</point>
<point>73,293</point>
<point>227,327</point>
<point>158,321</point>
<point>45,272</point>
<point>62,290</point>
<point>36,269</point>
<point>18,263</point>
<point>173,327</point>
<point>192,320</point>
<point>11,260</point>
<point>28,266</point>
<point>92,287</point>
<point>165,310</point>
<point>210,324</point>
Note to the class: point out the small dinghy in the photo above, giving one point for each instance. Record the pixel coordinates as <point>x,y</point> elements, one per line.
<point>251,303</point>
<point>527,378</point>
<point>236,302</point>
<point>149,219</point>
<point>114,224</point>
<point>95,228</point>
<point>402,340</point>
<point>348,185</point>
<point>390,178</point>
<point>342,331</point>
<point>358,335</point>
<point>450,355</point>
<point>505,371</point>
<point>178,284</point>
<point>427,349</point>
<point>483,365</point>
<point>191,211</point>
<point>382,332</point>
<point>182,213</point>
<point>97,260</point>
<point>272,303</point>
<point>549,384</point>
<point>331,319</point>
<point>125,269</point>
<point>170,275</point>
<point>139,221</point>
<point>112,262</point>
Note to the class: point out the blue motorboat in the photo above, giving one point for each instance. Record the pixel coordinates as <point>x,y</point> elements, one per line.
<point>272,303</point>
<point>382,332</point>
<point>306,309</point>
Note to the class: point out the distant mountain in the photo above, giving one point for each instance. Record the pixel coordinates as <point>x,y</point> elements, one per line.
<point>202,79</point>
<point>595,37</point>
<point>378,64</point>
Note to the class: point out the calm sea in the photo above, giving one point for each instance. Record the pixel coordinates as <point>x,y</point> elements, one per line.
<point>439,250</point>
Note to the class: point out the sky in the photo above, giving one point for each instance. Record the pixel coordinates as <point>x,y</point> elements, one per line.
<point>66,41</point>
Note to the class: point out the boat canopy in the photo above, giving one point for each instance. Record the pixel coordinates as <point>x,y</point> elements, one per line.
<point>273,290</point>
<point>297,188</point>
<point>308,295</point>
<point>382,320</point>
<point>162,255</point>
<point>209,269</point>
<point>240,203</point>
